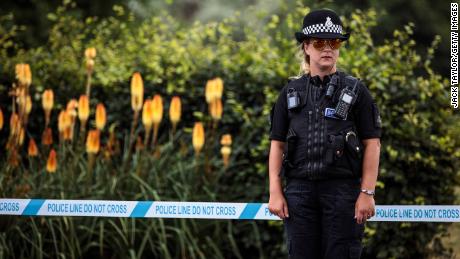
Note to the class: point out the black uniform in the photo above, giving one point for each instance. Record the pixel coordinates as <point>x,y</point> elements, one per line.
<point>322,164</point>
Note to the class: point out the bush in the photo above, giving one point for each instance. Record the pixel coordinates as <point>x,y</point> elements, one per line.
<point>419,144</point>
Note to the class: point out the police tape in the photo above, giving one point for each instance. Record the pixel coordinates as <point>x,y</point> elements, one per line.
<point>203,210</point>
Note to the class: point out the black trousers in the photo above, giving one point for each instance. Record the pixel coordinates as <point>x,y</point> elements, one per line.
<point>321,220</point>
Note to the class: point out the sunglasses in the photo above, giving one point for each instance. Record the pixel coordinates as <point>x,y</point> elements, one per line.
<point>320,44</point>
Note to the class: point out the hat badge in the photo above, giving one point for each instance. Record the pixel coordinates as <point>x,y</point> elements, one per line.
<point>328,22</point>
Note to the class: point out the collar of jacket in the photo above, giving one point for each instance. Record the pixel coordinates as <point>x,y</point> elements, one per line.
<point>316,80</point>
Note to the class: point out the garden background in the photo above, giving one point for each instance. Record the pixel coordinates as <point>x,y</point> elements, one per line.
<point>223,64</point>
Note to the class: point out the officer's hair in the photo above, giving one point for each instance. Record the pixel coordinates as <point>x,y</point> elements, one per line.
<point>303,58</point>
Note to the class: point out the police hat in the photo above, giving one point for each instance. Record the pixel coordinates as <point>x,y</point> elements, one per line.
<point>323,24</point>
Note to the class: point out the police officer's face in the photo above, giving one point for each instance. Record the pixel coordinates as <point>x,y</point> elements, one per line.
<point>323,52</point>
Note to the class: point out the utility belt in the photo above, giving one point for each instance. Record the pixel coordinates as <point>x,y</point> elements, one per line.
<point>342,157</point>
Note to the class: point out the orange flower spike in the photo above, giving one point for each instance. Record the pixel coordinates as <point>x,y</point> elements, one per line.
<point>97,141</point>
<point>51,164</point>
<point>101,117</point>
<point>47,100</point>
<point>1,119</point>
<point>68,120</point>
<point>61,121</point>
<point>219,87</point>
<point>147,114</point>
<point>157,109</point>
<point>83,108</point>
<point>65,124</point>
<point>210,90</point>
<point>175,110</point>
<point>90,53</point>
<point>198,137</point>
<point>27,75</point>
<point>71,110</point>
<point>23,74</point>
<point>226,140</point>
<point>216,109</point>
<point>137,91</point>
<point>93,142</point>
<point>72,106</point>
<point>32,149</point>
<point>47,103</point>
<point>47,137</point>
<point>226,151</point>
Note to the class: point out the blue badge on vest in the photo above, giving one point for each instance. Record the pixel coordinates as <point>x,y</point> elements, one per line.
<point>330,113</point>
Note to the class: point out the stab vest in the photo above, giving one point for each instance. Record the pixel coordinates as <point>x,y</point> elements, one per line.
<point>319,145</point>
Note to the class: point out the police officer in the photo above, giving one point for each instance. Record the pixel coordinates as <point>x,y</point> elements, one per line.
<point>325,141</point>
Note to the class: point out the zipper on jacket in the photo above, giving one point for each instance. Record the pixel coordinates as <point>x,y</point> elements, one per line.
<point>321,158</point>
<point>309,158</point>
<point>316,142</point>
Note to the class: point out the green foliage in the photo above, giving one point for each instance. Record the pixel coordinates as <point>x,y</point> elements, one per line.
<point>170,178</point>
<point>419,158</point>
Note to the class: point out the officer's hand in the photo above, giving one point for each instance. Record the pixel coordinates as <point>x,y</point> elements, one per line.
<point>277,205</point>
<point>364,208</point>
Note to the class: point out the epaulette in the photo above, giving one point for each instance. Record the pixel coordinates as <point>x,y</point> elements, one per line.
<point>291,78</point>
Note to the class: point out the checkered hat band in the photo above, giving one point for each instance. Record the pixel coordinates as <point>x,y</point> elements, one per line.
<point>315,28</point>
